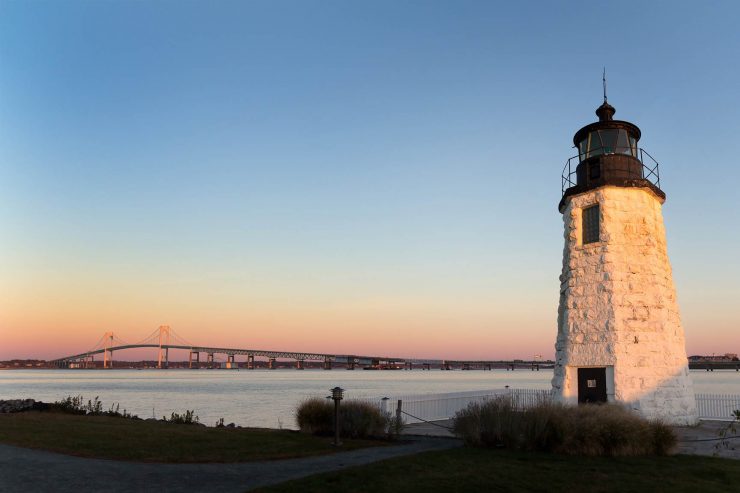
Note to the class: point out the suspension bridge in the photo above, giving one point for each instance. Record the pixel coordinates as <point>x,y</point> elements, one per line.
<point>164,338</point>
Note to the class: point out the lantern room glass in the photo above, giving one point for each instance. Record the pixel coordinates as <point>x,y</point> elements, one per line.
<point>607,141</point>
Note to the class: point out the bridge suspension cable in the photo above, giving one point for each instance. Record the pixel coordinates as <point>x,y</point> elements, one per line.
<point>152,338</point>
<point>178,340</point>
<point>106,341</point>
<point>156,336</point>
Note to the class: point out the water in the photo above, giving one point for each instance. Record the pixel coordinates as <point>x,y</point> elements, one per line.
<point>265,398</point>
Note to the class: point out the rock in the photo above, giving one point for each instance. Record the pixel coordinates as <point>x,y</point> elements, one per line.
<point>19,405</point>
<point>41,406</point>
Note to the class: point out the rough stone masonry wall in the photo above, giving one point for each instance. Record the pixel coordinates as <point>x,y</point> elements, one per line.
<point>618,307</point>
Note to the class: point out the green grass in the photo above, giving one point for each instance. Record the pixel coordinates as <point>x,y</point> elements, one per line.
<point>486,470</point>
<point>156,441</point>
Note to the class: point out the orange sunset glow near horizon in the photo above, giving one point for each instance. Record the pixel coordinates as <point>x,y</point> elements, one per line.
<point>394,326</point>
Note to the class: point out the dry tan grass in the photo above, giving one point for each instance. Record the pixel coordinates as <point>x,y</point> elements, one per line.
<point>357,419</point>
<point>594,430</point>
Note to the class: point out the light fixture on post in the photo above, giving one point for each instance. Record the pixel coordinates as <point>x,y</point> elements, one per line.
<point>337,394</point>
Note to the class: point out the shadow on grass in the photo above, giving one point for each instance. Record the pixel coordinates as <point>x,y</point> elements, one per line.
<point>156,441</point>
<point>475,469</point>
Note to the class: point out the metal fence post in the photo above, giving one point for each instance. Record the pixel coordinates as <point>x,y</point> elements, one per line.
<point>399,407</point>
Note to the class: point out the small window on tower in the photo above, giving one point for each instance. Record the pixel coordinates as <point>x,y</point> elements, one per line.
<point>591,224</point>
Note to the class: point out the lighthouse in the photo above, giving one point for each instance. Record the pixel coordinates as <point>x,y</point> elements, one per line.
<point>619,337</point>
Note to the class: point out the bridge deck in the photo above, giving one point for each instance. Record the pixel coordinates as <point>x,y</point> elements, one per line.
<point>304,356</point>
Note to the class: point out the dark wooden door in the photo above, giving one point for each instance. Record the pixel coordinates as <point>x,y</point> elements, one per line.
<point>591,385</point>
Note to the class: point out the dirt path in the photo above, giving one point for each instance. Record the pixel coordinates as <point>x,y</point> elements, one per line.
<point>39,471</point>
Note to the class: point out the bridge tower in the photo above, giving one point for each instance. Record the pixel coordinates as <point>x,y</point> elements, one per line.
<point>164,352</point>
<point>620,337</point>
<point>107,351</point>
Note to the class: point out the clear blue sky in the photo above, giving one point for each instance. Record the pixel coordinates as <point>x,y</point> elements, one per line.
<point>337,175</point>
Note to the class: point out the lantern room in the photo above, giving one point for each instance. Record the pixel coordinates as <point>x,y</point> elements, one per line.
<point>608,154</point>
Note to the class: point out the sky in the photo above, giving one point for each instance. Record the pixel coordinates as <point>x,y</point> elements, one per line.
<point>350,177</point>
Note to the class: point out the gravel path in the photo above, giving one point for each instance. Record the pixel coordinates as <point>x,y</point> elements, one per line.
<point>30,470</point>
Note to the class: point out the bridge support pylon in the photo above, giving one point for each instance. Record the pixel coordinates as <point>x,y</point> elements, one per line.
<point>230,363</point>
<point>250,362</point>
<point>209,361</point>
<point>271,364</point>
<point>164,350</point>
<point>107,351</point>
<point>197,359</point>
<point>327,364</point>
<point>299,364</point>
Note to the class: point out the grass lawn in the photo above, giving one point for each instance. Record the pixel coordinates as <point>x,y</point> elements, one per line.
<point>486,470</point>
<point>154,441</point>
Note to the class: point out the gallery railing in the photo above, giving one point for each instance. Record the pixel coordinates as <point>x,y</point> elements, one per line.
<point>650,168</point>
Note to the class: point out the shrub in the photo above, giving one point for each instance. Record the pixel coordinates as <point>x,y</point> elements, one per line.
<point>74,405</point>
<point>726,433</point>
<point>315,416</point>
<point>94,407</point>
<point>70,404</point>
<point>664,439</point>
<point>189,418</point>
<point>544,426</point>
<point>357,419</point>
<point>492,423</point>
<point>608,429</point>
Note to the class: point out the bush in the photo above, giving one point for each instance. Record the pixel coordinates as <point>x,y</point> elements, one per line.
<point>357,419</point>
<point>544,426</point>
<point>607,429</point>
<point>74,405</point>
<point>189,418</point>
<point>493,423</point>
<point>70,405</point>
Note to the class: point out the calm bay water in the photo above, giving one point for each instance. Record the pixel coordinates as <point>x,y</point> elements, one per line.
<point>268,398</point>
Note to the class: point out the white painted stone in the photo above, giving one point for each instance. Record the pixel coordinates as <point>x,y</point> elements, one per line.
<point>618,307</point>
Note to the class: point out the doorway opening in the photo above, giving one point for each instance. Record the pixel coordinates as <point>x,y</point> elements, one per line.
<point>591,385</point>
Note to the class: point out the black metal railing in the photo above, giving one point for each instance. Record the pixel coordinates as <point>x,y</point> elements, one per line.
<point>650,169</point>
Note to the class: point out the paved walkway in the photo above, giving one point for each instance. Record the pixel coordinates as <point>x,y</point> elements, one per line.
<point>31,471</point>
<point>695,440</point>
<point>707,431</point>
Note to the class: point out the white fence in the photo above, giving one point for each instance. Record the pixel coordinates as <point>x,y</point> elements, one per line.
<point>436,407</point>
<point>717,406</point>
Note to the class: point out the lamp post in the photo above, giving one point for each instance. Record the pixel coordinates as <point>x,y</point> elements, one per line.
<point>337,394</point>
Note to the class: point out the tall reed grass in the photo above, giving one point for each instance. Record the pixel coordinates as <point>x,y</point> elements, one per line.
<point>607,429</point>
<point>357,419</point>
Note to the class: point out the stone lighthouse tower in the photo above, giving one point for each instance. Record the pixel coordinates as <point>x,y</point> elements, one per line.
<point>619,332</point>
